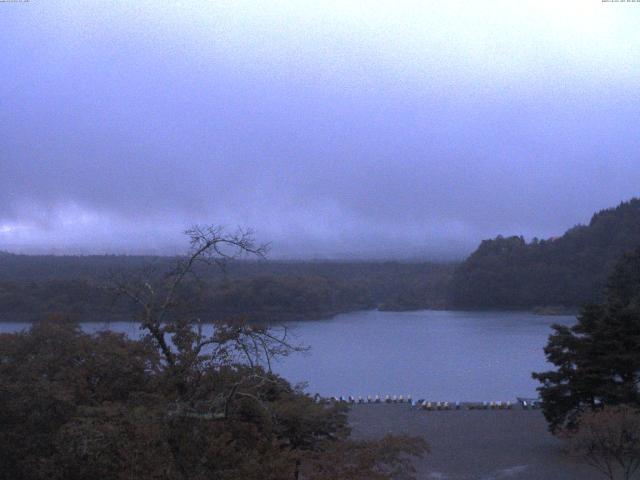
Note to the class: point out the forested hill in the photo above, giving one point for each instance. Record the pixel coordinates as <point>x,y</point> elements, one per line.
<point>567,271</point>
<point>33,286</point>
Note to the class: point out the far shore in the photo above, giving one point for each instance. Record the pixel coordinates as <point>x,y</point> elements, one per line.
<point>279,318</point>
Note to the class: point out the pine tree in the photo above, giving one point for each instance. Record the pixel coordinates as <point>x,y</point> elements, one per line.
<point>597,359</point>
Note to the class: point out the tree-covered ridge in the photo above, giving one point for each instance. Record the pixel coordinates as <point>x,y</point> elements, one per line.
<point>33,286</point>
<point>508,272</point>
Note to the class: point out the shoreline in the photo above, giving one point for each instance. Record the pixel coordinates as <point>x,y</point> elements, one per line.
<point>314,316</point>
<point>474,444</point>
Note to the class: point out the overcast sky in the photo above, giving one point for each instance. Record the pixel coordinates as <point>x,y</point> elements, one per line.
<point>331,128</point>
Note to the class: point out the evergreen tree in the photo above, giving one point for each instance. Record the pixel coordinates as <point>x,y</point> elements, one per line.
<point>598,359</point>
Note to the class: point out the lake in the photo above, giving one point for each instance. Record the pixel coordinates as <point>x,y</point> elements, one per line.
<point>439,355</point>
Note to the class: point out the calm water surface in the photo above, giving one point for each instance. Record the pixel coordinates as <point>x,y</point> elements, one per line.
<point>440,355</point>
<point>444,355</point>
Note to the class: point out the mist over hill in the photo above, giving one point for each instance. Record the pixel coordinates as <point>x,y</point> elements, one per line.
<point>503,273</point>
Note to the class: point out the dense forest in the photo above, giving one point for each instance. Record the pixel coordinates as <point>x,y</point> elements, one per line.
<point>569,271</point>
<point>176,404</point>
<point>31,286</point>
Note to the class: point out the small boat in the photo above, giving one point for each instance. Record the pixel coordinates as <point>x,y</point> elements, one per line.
<point>529,402</point>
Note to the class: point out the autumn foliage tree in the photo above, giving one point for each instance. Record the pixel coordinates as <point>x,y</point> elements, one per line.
<point>183,402</point>
<point>608,439</point>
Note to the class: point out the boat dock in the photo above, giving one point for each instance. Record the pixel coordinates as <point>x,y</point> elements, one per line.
<point>429,405</point>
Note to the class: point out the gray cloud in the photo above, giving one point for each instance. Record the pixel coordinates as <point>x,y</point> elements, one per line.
<point>121,126</point>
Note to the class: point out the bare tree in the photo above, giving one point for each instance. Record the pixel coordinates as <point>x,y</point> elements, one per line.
<point>609,440</point>
<point>185,348</point>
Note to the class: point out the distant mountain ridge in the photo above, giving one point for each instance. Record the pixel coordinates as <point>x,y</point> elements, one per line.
<point>568,271</point>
